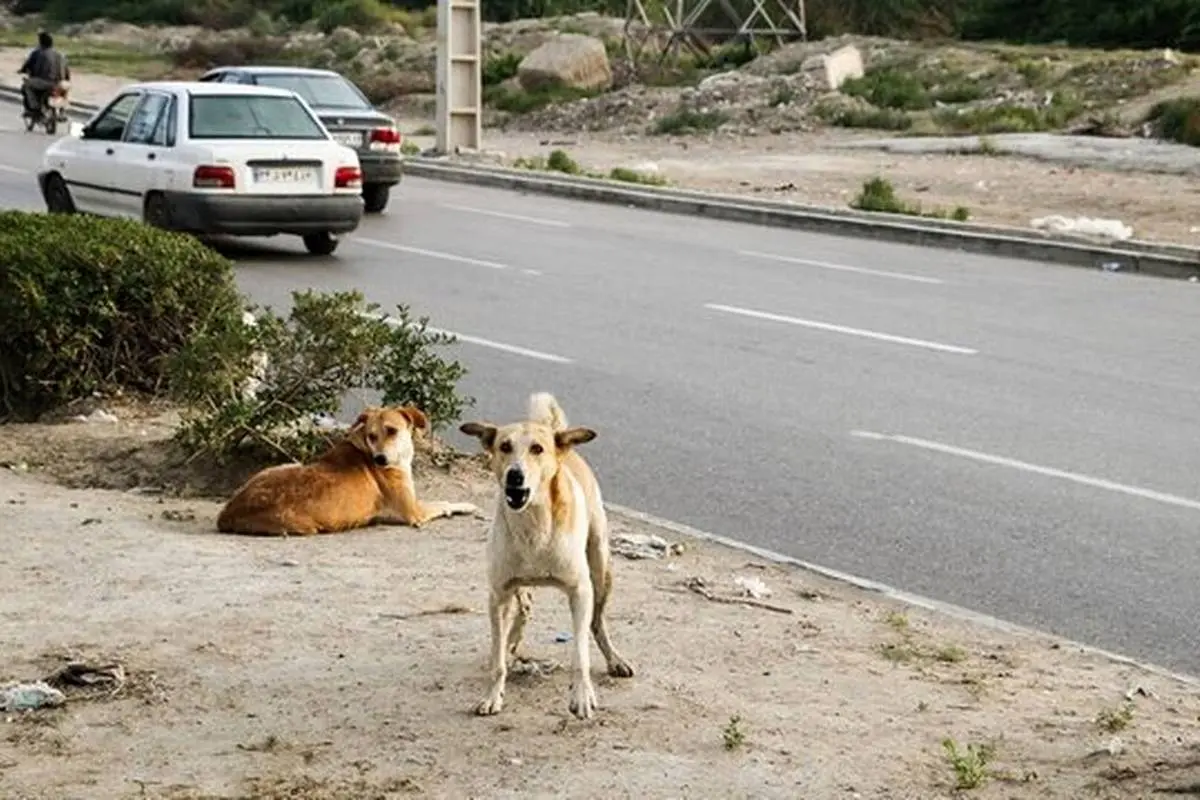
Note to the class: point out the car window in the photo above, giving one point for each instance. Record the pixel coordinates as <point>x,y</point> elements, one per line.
<point>145,120</point>
<point>110,125</point>
<point>164,132</point>
<point>323,91</point>
<point>251,117</point>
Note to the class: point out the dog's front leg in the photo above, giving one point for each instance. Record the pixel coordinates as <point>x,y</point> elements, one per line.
<point>501,606</point>
<point>583,695</point>
<point>404,508</point>
<point>441,508</point>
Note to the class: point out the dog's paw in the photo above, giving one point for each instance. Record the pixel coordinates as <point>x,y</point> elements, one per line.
<point>620,668</point>
<point>457,509</point>
<point>583,700</point>
<point>491,705</point>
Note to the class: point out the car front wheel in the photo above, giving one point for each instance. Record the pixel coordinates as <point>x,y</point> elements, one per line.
<point>320,244</point>
<point>375,197</point>
<point>58,196</point>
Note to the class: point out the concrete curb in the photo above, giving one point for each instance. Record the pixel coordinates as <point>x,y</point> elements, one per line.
<point>898,595</point>
<point>1145,258</point>
<point>1168,261</point>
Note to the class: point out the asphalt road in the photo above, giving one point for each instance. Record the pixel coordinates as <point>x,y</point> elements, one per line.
<point>1015,438</point>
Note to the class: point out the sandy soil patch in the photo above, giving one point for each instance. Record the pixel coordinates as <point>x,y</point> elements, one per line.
<point>347,666</point>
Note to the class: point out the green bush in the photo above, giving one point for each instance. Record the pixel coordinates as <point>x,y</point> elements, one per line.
<point>685,120</point>
<point>328,346</point>
<point>1177,120</point>
<point>879,195</point>
<point>95,305</point>
<point>327,14</point>
<point>884,119</point>
<point>499,68</point>
<point>1011,119</point>
<point>887,87</point>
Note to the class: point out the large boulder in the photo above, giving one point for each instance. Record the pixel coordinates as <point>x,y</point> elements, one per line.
<point>831,70</point>
<point>566,61</point>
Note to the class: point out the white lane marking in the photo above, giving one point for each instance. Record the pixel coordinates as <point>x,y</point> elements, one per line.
<point>902,276</point>
<point>1024,466</point>
<point>892,593</point>
<point>550,223</point>
<point>17,170</point>
<point>494,345</point>
<point>420,251</point>
<point>826,326</point>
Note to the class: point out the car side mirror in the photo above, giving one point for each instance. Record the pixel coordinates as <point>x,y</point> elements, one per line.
<point>85,132</point>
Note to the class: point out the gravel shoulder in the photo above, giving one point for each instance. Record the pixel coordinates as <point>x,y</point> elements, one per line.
<point>347,666</point>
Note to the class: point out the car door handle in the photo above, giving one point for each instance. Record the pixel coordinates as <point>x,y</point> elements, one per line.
<point>151,156</point>
<point>109,151</point>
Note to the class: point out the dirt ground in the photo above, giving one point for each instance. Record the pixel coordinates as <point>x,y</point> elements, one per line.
<point>805,168</point>
<point>347,666</point>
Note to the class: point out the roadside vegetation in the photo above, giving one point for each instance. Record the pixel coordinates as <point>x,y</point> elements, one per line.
<point>100,308</point>
<point>560,161</point>
<point>878,194</point>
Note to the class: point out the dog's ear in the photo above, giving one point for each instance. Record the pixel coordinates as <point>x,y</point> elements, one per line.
<point>362,418</point>
<point>415,416</point>
<point>483,431</point>
<point>567,439</point>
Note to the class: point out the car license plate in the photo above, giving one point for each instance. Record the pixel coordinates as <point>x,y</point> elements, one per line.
<point>285,176</point>
<point>354,139</point>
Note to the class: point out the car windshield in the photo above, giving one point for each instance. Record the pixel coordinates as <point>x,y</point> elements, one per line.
<point>241,116</point>
<point>319,91</point>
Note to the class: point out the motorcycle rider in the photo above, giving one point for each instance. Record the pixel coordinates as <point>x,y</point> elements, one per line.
<point>44,69</point>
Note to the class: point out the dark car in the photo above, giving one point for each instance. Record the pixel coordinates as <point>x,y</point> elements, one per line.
<point>347,114</point>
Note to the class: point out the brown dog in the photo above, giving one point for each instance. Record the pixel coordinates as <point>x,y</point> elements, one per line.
<point>364,479</point>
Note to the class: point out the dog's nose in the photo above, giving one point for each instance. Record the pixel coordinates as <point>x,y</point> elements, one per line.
<point>381,460</point>
<point>514,477</point>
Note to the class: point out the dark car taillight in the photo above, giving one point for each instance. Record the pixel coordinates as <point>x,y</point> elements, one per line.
<point>347,178</point>
<point>214,177</point>
<point>386,139</point>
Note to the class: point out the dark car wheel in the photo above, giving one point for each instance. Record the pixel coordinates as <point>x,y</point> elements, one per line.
<point>375,197</point>
<point>58,196</point>
<point>156,212</point>
<point>320,244</point>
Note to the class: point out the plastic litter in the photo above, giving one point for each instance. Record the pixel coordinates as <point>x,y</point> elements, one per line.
<point>30,696</point>
<point>1085,226</point>
<point>644,545</point>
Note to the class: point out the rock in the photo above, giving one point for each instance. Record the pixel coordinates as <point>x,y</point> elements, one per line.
<point>569,60</point>
<point>833,69</point>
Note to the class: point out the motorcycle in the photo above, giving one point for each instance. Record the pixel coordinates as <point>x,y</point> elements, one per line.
<point>53,110</point>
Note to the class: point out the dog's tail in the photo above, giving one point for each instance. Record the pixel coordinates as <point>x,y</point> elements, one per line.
<point>545,409</point>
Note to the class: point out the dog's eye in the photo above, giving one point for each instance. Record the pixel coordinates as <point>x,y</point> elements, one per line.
<point>390,431</point>
<point>371,438</point>
<point>536,449</point>
<point>506,447</point>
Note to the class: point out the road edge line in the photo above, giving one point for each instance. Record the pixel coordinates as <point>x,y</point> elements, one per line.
<point>899,595</point>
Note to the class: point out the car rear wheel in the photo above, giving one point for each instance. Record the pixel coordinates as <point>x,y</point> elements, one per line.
<point>375,197</point>
<point>58,196</point>
<point>155,211</point>
<point>320,244</point>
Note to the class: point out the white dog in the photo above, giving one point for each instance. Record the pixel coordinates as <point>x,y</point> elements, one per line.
<point>549,529</point>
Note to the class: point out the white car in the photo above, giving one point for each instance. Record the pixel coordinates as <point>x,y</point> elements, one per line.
<point>209,158</point>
